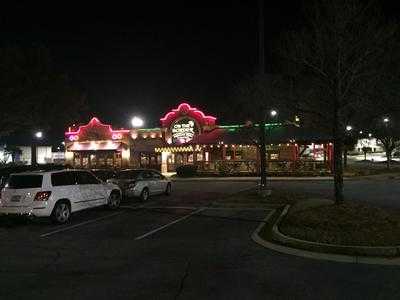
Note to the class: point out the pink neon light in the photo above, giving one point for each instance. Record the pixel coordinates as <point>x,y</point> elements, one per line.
<point>96,121</point>
<point>186,108</point>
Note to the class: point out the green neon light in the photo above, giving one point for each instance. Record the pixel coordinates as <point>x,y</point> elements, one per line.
<point>229,127</point>
<point>236,126</point>
<point>149,129</point>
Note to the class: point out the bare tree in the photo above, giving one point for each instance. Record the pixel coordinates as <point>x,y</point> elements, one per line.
<point>255,97</point>
<point>336,63</point>
<point>32,93</point>
<point>388,134</point>
<point>366,150</point>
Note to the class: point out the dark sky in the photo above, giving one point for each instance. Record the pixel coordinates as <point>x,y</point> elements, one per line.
<point>143,58</point>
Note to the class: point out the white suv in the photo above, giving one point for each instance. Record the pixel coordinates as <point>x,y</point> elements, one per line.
<point>56,194</point>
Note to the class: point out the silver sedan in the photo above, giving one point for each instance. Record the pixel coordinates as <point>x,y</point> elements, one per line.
<point>142,183</point>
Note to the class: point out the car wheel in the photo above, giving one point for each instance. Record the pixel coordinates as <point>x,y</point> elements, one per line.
<point>114,200</point>
<point>61,212</point>
<point>168,190</point>
<point>144,196</point>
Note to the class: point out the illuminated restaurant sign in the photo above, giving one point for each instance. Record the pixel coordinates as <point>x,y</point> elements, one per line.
<point>183,131</point>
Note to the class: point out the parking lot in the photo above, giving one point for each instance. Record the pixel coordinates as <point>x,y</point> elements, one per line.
<point>169,248</point>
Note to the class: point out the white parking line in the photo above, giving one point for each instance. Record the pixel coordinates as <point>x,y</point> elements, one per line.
<point>133,207</point>
<point>80,224</point>
<point>208,207</point>
<point>173,207</point>
<point>169,224</point>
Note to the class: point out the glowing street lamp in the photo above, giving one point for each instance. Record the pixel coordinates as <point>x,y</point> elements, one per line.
<point>360,132</point>
<point>349,127</point>
<point>38,134</point>
<point>137,122</point>
<point>386,120</point>
<point>273,113</point>
<point>369,134</point>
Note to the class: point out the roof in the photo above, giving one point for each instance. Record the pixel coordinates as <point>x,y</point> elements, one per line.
<point>249,135</point>
<point>148,145</point>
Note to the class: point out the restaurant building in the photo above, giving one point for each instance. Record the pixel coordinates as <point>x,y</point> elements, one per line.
<point>188,136</point>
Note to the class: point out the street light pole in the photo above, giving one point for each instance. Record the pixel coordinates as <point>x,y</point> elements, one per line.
<point>38,135</point>
<point>261,62</point>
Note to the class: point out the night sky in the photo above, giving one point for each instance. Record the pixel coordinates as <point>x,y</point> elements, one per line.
<point>143,58</point>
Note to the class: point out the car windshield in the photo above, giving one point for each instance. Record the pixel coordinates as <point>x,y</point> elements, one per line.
<point>129,174</point>
<point>103,175</point>
<point>25,181</point>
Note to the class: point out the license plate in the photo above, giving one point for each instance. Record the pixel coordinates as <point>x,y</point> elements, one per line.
<point>16,198</point>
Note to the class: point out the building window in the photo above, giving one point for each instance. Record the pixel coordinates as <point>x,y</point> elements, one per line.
<point>274,156</point>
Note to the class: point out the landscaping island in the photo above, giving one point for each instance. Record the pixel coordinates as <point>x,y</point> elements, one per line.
<point>319,225</point>
<point>347,224</point>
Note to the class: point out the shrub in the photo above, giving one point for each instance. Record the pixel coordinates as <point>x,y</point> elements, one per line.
<point>224,169</point>
<point>186,171</point>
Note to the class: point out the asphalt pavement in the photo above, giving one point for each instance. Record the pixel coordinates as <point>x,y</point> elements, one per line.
<point>173,248</point>
<point>378,191</point>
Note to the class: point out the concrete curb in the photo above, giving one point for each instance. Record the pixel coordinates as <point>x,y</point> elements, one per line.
<point>251,179</point>
<point>317,255</point>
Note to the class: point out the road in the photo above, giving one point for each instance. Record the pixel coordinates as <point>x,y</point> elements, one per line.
<point>172,253</point>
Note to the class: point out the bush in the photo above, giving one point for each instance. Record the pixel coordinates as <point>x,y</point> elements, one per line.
<point>186,171</point>
<point>224,169</point>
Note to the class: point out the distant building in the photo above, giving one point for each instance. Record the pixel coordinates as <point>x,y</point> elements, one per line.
<point>372,143</point>
<point>43,153</point>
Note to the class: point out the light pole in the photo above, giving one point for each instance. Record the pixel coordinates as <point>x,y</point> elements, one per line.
<point>348,140</point>
<point>37,136</point>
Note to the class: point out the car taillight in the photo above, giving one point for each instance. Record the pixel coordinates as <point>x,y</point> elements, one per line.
<point>42,196</point>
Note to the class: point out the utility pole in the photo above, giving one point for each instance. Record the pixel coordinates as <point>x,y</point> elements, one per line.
<point>261,62</point>
<point>261,50</point>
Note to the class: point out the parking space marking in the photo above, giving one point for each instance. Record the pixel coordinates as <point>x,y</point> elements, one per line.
<point>209,208</point>
<point>173,207</point>
<point>91,221</point>
<point>169,224</point>
<point>80,224</point>
<point>133,207</point>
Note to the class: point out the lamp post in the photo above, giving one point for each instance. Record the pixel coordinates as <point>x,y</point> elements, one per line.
<point>37,136</point>
<point>348,140</point>
<point>263,151</point>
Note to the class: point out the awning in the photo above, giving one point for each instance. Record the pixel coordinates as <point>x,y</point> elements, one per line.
<point>95,146</point>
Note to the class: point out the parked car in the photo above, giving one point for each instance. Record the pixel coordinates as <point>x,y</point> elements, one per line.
<point>103,174</point>
<point>56,194</point>
<point>142,183</point>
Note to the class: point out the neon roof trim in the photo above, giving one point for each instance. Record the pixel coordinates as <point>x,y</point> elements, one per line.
<point>96,122</point>
<point>185,109</point>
